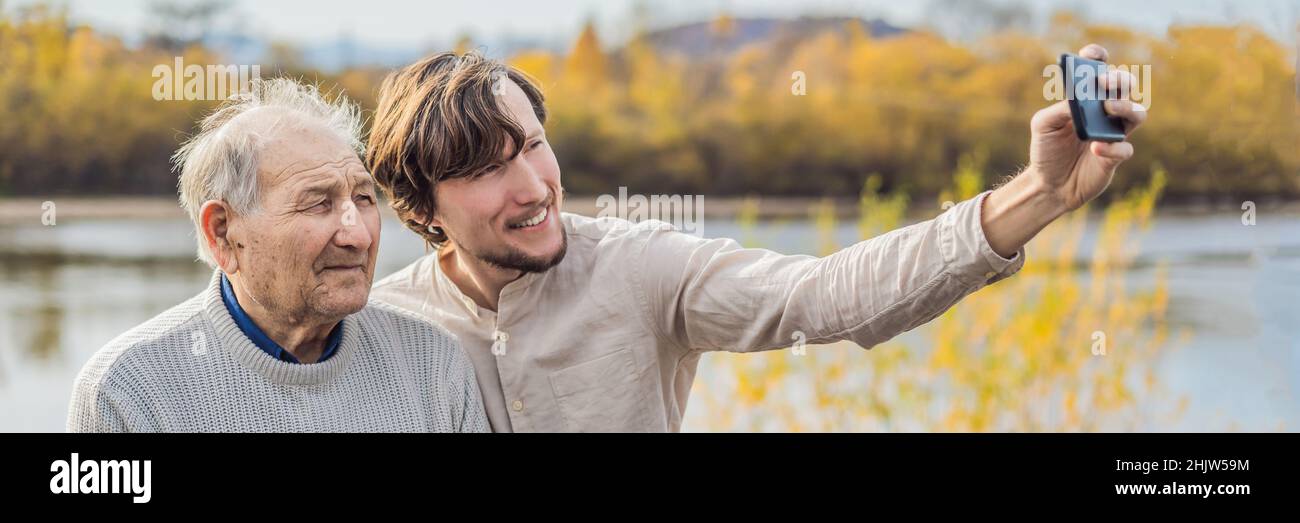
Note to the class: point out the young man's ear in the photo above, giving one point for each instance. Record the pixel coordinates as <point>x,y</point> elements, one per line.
<point>424,221</point>
<point>214,217</point>
<point>432,221</point>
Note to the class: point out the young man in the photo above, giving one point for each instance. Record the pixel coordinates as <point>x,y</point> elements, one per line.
<point>581,324</point>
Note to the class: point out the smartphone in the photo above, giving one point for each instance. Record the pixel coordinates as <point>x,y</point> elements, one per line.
<point>1085,91</point>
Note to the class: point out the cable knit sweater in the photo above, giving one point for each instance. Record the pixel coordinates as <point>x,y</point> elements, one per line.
<point>191,369</point>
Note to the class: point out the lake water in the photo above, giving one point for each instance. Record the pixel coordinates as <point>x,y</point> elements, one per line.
<point>68,289</point>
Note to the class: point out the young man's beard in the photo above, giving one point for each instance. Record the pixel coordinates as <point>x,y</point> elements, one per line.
<point>514,260</point>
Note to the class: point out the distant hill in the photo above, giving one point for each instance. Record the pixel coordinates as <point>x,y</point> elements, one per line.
<point>330,55</point>
<point>697,40</point>
<point>706,38</point>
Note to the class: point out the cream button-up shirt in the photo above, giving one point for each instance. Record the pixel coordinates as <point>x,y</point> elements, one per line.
<point>609,339</point>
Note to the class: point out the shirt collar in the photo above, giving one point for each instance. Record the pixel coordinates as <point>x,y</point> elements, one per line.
<point>443,281</point>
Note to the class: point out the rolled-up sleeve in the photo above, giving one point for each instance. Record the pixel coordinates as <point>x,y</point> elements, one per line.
<point>716,295</point>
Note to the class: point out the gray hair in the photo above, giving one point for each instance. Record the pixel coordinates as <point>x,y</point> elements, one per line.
<point>220,162</point>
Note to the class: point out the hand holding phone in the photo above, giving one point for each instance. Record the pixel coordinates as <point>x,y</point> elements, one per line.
<point>1086,91</point>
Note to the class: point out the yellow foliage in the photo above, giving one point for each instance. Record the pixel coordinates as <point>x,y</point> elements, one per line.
<point>1016,356</point>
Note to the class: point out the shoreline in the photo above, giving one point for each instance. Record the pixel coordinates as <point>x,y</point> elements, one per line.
<point>26,210</point>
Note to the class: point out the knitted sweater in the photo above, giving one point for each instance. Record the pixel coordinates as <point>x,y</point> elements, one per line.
<point>191,369</point>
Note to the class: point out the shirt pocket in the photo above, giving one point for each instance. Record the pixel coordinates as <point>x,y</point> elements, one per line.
<point>608,394</point>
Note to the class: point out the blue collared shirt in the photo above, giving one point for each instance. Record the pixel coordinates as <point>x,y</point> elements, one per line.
<point>260,338</point>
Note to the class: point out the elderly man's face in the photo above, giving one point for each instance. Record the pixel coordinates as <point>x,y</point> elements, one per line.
<point>309,252</point>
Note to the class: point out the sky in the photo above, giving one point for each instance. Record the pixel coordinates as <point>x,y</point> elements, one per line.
<point>552,22</point>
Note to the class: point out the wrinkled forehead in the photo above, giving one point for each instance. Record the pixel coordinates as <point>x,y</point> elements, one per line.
<point>290,145</point>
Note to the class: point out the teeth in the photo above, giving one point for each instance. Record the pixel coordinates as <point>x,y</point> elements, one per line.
<point>531,221</point>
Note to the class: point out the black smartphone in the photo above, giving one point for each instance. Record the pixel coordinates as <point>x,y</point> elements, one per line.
<point>1085,90</point>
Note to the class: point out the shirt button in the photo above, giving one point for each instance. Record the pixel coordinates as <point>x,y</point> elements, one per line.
<point>501,336</point>
<point>517,405</point>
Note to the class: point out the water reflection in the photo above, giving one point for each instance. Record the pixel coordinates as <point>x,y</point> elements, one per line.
<point>67,290</point>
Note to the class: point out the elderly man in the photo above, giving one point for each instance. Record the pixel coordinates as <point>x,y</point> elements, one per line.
<point>282,339</point>
<point>581,324</point>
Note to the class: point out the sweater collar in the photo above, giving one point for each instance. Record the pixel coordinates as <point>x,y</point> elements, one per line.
<point>233,340</point>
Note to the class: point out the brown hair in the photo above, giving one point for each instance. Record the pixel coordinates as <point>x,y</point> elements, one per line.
<point>437,119</point>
